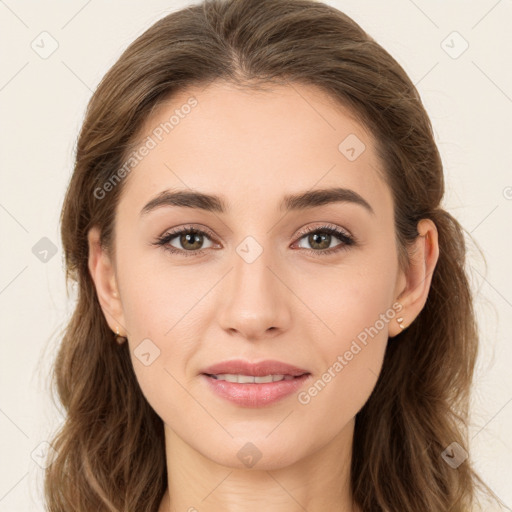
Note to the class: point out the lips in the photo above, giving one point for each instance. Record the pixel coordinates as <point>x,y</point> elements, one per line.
<point>260,369</point>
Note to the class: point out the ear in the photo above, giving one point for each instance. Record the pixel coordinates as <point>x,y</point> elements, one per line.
<point>102,272</point>
<point>423,257</point>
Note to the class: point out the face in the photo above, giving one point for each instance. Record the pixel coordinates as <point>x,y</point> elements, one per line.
<point>308,283</point>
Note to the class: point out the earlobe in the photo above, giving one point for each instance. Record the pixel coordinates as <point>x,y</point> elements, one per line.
<point>103,275</point>
<point>423,258</point>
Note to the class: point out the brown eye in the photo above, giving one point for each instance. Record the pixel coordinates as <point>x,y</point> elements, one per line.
<point>320,240</point>
<point>186,241</point>
<point>191,240</point>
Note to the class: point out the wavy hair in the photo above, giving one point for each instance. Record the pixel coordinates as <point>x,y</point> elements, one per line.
<point>110,450</point>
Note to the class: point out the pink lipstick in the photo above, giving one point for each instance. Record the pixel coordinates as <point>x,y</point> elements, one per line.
<point>254,384</point>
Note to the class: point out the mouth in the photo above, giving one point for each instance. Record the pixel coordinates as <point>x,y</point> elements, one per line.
<point>247,372</point>
<point>253,379</point>
<point>252,391</point>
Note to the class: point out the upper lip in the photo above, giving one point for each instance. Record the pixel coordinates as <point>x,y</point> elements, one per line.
<point>259,369</point>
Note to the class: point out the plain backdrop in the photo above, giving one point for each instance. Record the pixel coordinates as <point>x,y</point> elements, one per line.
<point>458,53</point>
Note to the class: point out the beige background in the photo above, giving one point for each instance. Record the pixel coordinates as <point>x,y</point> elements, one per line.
<point>42,101</point>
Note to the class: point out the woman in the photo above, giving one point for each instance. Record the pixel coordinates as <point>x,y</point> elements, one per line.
<point>254,216</point>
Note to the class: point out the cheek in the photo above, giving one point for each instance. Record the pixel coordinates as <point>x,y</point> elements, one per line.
<point>157,293</point>
<point>350,297</point>
<point>356,313</point>
<point>160,306</point>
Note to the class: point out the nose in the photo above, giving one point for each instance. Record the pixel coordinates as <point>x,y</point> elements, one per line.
<point>255,301</point>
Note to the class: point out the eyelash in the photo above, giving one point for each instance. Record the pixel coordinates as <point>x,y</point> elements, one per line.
<point>346,240</point>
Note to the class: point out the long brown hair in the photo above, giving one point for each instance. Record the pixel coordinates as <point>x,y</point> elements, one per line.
<point>110,452</point>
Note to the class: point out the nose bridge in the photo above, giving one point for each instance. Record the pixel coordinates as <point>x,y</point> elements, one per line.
<point>251,273</point>
<point>254,296</point>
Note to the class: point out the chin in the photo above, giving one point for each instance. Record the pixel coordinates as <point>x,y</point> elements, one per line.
<point>257,453</point>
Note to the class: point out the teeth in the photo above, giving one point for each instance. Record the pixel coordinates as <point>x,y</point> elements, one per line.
<point>249,379</point>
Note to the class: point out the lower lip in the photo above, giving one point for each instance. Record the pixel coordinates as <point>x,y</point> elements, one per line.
<point>255,395</point>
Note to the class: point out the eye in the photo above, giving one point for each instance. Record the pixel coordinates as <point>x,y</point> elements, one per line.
<point>191,240</point>
<point>322,237</point>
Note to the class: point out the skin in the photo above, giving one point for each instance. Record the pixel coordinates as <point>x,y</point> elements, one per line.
<point>305,309</point>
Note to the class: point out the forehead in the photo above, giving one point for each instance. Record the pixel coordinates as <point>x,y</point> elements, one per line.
<point>253,146</point>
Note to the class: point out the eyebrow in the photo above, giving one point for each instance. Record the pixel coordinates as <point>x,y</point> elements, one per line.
<point>216,204</point>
